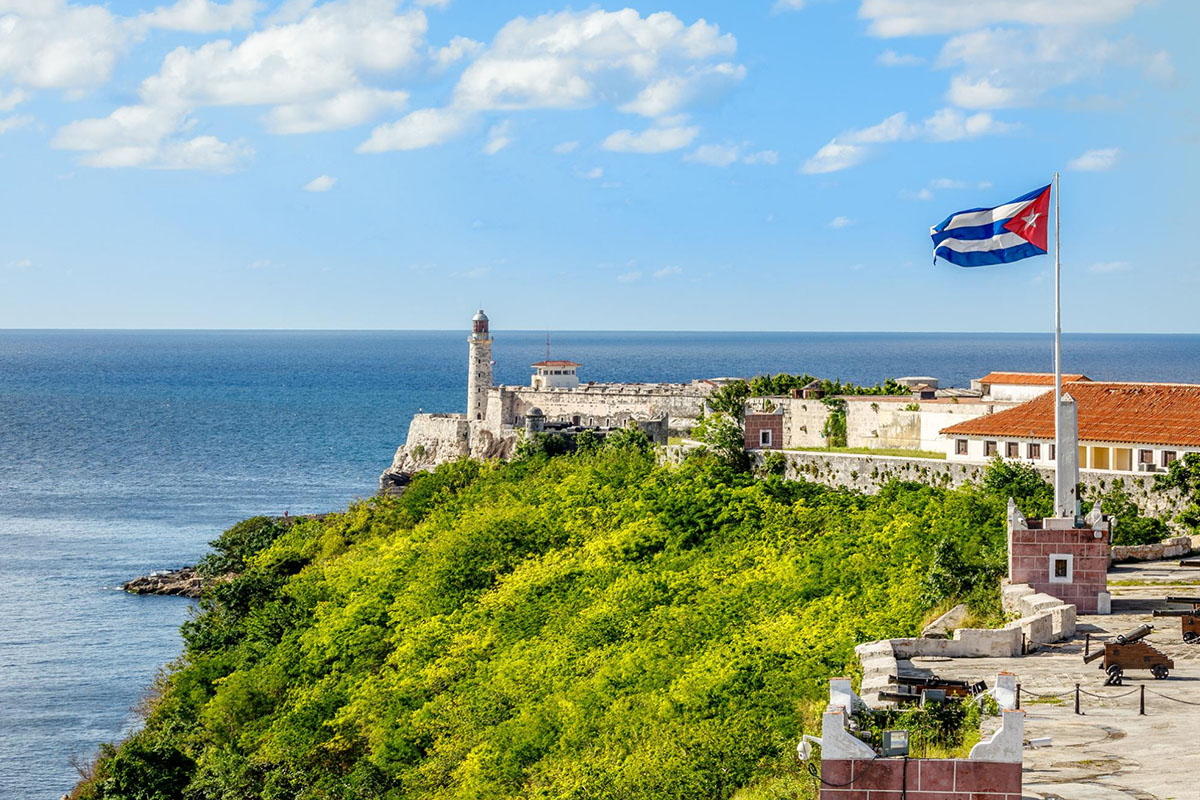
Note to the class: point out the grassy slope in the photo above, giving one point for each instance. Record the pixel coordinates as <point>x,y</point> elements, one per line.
<point>588,626</point>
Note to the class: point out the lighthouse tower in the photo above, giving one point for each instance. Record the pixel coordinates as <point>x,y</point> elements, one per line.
<point>479,379</point>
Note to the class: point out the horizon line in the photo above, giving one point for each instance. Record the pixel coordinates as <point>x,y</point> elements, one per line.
<point>4,329</point>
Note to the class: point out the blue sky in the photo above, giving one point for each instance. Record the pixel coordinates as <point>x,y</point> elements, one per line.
<point>702,165</point>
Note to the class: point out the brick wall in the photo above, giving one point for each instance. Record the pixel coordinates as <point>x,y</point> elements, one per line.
<point>764,422</point>
<point>920,779</point>
<point>1031,551</point>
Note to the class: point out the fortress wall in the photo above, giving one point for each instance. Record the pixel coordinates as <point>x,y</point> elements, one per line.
<point>886,423</point>
<point>867,474</point>
<point>599,403</point>
<point>803,422</point>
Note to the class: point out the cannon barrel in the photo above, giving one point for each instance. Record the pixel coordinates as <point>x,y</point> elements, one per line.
<point>1192,600</point>
<point>1176,612</point>
<point>1092,656</point>
<point>1140,632</point>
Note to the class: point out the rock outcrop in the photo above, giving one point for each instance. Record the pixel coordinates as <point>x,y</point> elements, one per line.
<point>184,582</point>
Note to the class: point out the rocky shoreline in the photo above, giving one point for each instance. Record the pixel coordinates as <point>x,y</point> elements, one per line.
<point>184,582</point>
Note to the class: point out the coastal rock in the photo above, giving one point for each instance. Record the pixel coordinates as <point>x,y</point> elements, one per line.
<point>178,583</point>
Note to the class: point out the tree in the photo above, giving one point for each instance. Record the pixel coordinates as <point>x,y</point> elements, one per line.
<point>730,399</point>
<point>725,438</point>
<point>1184,476</point>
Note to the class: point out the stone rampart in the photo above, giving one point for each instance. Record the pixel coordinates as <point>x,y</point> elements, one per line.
<point>867,473</point>
<point>600,404</point>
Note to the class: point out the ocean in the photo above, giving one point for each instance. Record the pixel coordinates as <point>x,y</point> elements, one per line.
<point>124,452</point>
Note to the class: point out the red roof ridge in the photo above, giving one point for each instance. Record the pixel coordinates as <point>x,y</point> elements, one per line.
<point>556,364</point>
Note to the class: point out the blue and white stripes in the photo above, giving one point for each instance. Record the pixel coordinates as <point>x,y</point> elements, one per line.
<point>981,236</point>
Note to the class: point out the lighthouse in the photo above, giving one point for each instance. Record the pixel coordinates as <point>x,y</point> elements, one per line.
<point>479,379</point>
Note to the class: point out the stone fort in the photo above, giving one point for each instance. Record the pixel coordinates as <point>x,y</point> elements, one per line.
<point>556,400</point>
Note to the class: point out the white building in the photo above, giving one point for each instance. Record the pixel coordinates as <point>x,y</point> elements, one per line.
<point>1123,427</point>
<point>1017,387</point>
<point>555,375</point>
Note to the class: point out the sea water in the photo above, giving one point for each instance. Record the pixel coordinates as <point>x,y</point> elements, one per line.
<point>125,452</point>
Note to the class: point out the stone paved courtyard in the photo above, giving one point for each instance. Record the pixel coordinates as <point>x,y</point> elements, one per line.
<point>1110,752</point>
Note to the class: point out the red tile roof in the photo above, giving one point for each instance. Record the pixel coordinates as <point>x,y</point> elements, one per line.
<point>1029,378</point>
<point>1124,413</point>
<point>556,364</point>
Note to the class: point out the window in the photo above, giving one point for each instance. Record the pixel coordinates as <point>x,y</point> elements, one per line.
<point>764,438</point>
<point>1050,452</point>
<point>1012,450</point>
<point>1062,568</point>
<point>1168,457</point>
<point>1033,451</point>
<point>989,449</point>
<point>960,447</point>
<point>1145,456</point>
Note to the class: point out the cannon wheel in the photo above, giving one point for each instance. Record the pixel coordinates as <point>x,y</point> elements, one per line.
<point>1189,638</point>
<point>1159,672</point>
<point>1115,673</point>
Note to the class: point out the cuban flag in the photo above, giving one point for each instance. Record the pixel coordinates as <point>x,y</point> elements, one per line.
<point>1000,235</point>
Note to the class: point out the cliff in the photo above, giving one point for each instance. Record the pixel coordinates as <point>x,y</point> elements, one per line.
<point>435,439</point>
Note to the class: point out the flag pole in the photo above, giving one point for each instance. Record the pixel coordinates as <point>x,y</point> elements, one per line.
<point>1059,501</point>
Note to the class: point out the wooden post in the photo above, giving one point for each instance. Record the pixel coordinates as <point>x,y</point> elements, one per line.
<point>1142,704</point>
<point>1077,698</point>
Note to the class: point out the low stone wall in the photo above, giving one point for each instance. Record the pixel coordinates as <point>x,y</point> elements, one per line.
<point>1177,547</point>
<point>867,473</point>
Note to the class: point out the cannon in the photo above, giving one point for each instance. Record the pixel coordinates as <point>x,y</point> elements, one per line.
<point>1128,651</point>
<point>910,688</point>
<point>1189,622</point>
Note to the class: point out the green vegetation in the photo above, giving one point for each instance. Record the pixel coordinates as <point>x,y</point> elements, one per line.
<point>939,730</point>
<point>1184,476</point>
<point>873,451</point>
<point>1132,527</point>
<point>783,383</point>
<point>591,625</point>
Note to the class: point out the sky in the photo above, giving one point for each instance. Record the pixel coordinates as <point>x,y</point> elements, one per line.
<point>759,165</point>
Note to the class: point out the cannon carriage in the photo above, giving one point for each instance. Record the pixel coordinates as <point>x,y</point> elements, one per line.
<point>1129,651</point>
<point>1189,619</point>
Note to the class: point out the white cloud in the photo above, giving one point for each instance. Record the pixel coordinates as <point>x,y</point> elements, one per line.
<point>654,66</point>
<point>762,157</point>
<point>669,94</point>
<point>562,148</point>
<point>12,99</point>
<point>890,18</point>
<point>651,140</point>
<point>947,183</point>
<point>1095,160</point>
<point>890,58</point>
<point>1006,68</point>
<point>202,16</point>
<point>322,183</point>
<point>499,137</point>
<point>346,109</point>
<point>1107,267</point>
<point>572,59</point>
<point>723,155</point>
<point>423,128</point>
<point>460,47</point>
<point>786,5</point>
<point>840,222</point>
<point>667,272</point>
<point>835,156</point>
<point>48,44</point>
<point>307,71</point>
<point>12,123</point>
<point>948,125</point>
<point>21,263</point>
<point>923,194</point>
<point>593,174</point>
<point>629,277</point>
<point>714,155</point>
<point>945,125</point>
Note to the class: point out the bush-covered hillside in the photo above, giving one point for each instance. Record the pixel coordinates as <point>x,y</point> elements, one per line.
<point>586,626</point>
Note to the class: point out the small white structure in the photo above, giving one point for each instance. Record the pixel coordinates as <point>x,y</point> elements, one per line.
<point>555,375</point>
<point>1018,387</point>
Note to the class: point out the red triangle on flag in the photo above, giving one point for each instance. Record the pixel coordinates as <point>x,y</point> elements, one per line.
<point>1032,222</point>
